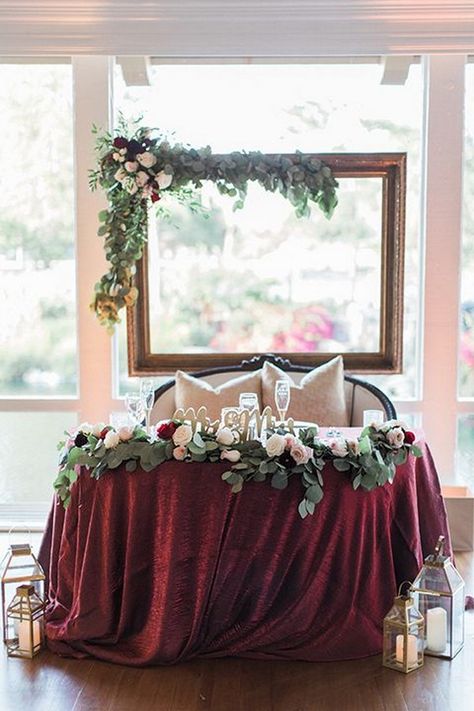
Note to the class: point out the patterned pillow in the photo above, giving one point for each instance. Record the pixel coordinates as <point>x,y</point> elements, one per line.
<point>194,392</point>
<point>319,397</point>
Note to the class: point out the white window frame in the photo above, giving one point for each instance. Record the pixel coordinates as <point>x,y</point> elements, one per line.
<point>438,404</point>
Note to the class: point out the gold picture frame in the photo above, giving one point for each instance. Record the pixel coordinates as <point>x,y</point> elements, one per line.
<point>391,169</point>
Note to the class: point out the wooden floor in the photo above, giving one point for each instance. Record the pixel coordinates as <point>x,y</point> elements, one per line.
<point>49,683</point>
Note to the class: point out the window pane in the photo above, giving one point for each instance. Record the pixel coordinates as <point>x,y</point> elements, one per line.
<point>37,293</point>
<point>280,108</point>
<point>261,280</point>
<point>465,450</point>
<point>28,455</point>
<point>466,351</point>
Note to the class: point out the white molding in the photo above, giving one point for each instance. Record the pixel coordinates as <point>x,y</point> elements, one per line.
<point>236,27</point>
<point>444,128</point>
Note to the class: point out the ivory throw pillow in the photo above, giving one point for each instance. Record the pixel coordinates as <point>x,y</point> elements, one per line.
<point>194,392</point>
<point>319,397</point>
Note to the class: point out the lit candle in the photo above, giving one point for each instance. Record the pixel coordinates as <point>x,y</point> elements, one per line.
<point>24,638</point>
<point>436,629</point>
<point>412,652</point>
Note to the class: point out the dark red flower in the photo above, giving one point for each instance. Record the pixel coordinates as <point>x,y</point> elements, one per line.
<point>287,460</point>
<point>120,142</point>
<point>104,431</point>
<point>166,430</point>
<point>134,147</point>
<point>80,439</point>
<point>409,437</point>
<point>155,196</point>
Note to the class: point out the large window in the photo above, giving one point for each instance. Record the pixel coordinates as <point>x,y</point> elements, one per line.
<point>37,292</point>
<point>465,445</point>
<point>260,279</point>
<point>274,108</point>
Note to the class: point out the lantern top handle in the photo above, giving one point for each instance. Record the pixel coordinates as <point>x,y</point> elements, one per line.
<point>439,548</point>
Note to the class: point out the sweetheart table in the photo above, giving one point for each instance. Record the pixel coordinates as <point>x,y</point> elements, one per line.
<point>158,567</point>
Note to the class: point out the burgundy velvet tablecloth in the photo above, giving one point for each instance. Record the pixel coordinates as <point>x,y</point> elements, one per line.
<point>159,567</point>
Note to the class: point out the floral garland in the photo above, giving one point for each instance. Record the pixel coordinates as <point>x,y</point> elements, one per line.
<point>370,459</point>
<point>135,168</point>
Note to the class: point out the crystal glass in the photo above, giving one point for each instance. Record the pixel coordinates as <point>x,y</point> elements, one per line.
<point>147,395</point>
<point>373,416</point>
<point>135,409</point>
<point>282,398</point>
<point>249,401</point>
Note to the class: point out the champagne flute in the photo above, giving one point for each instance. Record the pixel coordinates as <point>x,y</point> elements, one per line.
<point>134,406</point>
<point>147,395</point>
<point>282,398</point>
<point>249,401</point>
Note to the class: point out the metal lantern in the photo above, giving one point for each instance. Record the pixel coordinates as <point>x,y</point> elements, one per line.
<point>19,565</point>
<point>403,635</point>
<point>439,595</point>
<point>25,623</point>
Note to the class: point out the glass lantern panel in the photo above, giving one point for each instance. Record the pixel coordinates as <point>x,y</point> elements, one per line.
<point>437,611</point>
<point>432,578</point>
<point>21,567</point>
<point>454,579</point>
<point>394,647</point>
<point>457,640</point>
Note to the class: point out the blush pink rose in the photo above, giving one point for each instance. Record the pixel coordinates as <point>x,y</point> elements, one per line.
<point>179,452</point>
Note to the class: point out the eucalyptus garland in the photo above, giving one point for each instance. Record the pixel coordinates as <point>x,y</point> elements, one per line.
<point>141,166</point>
<point>369,460</point>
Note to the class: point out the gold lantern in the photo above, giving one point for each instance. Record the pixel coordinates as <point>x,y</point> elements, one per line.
<point>403,635</point>
<point>439,595</point>
<point>19,565</point>
<point>25,623</point>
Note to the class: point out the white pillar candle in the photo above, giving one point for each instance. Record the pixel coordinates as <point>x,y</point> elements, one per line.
<point>436,629</point>
<point>24,640</point>
<point>412,652</point>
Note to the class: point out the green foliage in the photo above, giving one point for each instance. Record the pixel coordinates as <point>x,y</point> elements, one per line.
<point>134,167</point>
<point>249,461</point>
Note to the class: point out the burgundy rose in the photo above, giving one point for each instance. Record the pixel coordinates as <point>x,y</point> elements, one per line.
<point>134,147</point>
<point>155,196</point>
<point>120,142</point>
<point>104,432</point>
<point>80,439</point>
<point>166,430</point>
<point>409,437</point>
<point>287,460</point>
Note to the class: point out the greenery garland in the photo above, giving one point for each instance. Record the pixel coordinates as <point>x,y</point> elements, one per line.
<point>369,460</point>
<point>136,167</point>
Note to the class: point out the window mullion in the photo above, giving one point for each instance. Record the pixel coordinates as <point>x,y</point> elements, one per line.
<point>92,103</point>
<point>444,106</point>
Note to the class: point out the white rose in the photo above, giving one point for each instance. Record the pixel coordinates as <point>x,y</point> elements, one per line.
<point>396,437</point>
<point>183,435</point>
<point>125,433</point>
<point>275,445</point>
<point>390,424</point>
<point>232,455</point>
<point>300,453</point>
<point>131,166</point>
<point>141,178</point>
<point>163,179</point>
<point>225,436</point>
<point>97,429</point>
<point>338,447</point>
<point>111,439</point>
<point>130,185</point>
<point>120,175</point>
<point>179,452</point>
<point>116,156</point>
<point>147,160</point>
<point>86,428</point>
<point>353,446</point>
